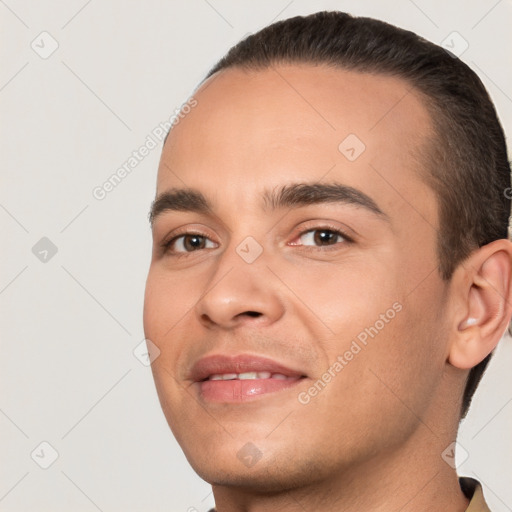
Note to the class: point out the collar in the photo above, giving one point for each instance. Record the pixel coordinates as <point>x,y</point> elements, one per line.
<point>473,491</point>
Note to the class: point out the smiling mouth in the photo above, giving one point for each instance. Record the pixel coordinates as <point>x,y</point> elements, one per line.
<point>236,388</point>
<point>240,378</point>
<point>250,376</point>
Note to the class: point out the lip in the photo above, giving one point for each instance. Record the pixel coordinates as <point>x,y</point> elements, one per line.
<point>220,363</point>
<point>240,390</point>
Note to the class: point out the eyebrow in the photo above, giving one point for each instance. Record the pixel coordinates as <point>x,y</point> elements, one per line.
<point>295,195</point>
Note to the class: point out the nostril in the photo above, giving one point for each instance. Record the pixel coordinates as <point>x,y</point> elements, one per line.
<point>206,319</point>
<point>252,313</point>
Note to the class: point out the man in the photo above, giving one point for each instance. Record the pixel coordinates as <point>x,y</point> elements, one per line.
<point>331,269</point>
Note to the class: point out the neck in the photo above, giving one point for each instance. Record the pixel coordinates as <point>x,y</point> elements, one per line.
<point>412,478</point>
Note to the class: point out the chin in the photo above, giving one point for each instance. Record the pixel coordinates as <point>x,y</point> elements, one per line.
<point>280,467</point>
<point>265,479</point>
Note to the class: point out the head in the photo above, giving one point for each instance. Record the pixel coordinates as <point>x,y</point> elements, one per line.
<point>367,166</point>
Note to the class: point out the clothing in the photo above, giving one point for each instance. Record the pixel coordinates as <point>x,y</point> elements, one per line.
<point>471,489</point>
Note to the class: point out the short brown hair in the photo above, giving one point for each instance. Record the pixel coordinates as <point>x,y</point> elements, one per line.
<point>468,167</point>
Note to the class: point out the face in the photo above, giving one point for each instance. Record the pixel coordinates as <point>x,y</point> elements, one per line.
<point>294,296</point>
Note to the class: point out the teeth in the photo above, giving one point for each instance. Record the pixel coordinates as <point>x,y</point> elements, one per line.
<point>248,376</point>
<point>224,376</point>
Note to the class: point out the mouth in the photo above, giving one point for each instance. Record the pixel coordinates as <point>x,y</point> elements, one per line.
<point>221,378</point>
<point>264,375</point>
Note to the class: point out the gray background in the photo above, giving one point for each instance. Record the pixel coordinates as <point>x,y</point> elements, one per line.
<point>70,323</point>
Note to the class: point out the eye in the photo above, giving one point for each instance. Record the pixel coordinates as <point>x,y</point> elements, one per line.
<point>188,242</point>
<point>321,237</point>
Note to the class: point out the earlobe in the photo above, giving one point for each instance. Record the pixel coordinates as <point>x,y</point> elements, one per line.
<point>485,296</point>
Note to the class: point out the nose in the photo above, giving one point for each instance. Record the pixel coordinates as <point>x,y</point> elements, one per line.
<point>238,294</point>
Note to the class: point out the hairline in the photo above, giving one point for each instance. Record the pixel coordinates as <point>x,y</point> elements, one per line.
<point>430,143</point>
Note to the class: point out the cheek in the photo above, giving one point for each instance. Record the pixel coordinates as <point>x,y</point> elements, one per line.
<point>346,297</point>
<point>167,301</point>
<point>383,326</point>
<point>170,323</point>
<point>398,364</point>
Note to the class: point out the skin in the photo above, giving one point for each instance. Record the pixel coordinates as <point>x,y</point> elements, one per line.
<point>372,439</point>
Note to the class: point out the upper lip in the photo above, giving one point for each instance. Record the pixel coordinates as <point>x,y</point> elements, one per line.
<point>219,364</point>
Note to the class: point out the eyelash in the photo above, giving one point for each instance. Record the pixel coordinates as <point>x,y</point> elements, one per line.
<point>166,245</point>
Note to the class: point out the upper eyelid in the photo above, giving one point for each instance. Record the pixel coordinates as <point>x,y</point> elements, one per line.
<point>327,225</point>
<point>172,238</point>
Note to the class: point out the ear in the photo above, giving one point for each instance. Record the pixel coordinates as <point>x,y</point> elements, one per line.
<point>483,294</point>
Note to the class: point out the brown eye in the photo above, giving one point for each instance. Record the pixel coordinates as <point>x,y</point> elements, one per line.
<point>193,242</point>
<point>321,237</point>
<point>189,242</point>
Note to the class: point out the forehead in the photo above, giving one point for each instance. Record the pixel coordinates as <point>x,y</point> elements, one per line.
<point>254,129</point>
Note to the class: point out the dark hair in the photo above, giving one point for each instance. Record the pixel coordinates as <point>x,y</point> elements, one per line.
<point>467,164</point>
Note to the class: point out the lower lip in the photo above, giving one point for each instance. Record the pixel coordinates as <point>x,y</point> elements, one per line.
<point>242,390</point>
